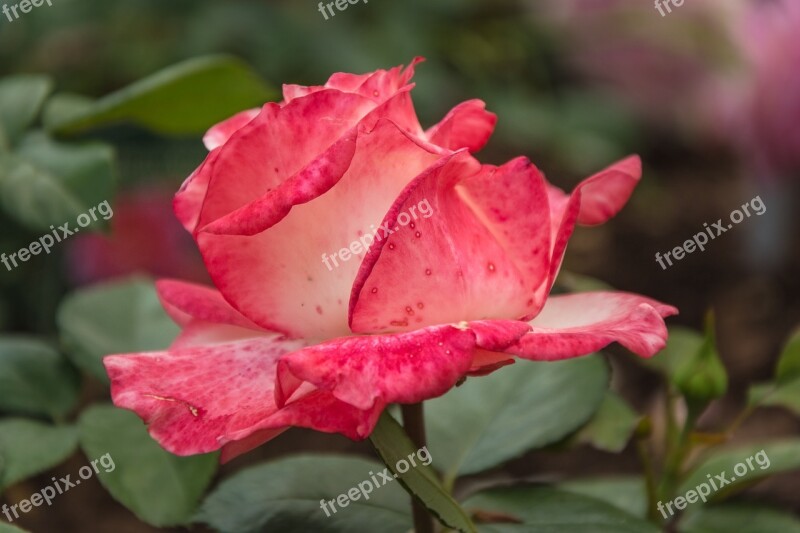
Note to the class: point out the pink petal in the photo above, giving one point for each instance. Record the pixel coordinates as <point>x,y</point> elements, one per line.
<point>579,324</point>
<point>482,253</point>
<point>381,369</point>
<point>220,133</point>
<point>310,301</point>
<point>468,125</point>
<point>595,200</point>
<point>197,400</point>
<point>186,302</point>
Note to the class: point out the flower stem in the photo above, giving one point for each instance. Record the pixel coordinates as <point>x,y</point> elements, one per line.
<point>414,424</point>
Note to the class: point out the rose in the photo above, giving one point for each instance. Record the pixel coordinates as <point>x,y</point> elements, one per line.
<point>282,341</point>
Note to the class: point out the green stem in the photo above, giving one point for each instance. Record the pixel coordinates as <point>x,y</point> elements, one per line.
<point>414,424</point>
<point>673,469</point>
<point>649,476</point>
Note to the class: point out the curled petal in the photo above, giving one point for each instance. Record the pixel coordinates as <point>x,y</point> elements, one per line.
<point>480,242</point>
<point>220,133</point>
<point>579,324</point>
<point>468,125</point>
<point>362,371</point>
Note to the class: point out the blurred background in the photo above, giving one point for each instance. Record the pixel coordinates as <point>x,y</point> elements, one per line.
<point>708,95</point>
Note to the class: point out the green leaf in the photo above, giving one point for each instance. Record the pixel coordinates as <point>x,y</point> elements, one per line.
<point>741,518</point>
<point>7,528</point>
<point>285,495</point>
<point>30,448</point>
<point>160,488</point>
<point>612,425</point>
<point>691,363</point>
<point>626,493</point>
<point>109,318</point>
<point>21,98</point>
<point>490,420</point>
<point>186,98</point>
<point>63,107</point>
<point>420,480</point>
<point>35,379</point>
<point>579,283</point>
<point>785,390</point>
<point>766,459</point>
<point>545,510</point>
<point>789,361</point>
<point>50,183</point>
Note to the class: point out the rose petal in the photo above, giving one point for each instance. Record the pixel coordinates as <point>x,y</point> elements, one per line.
<point>197,400</point>
<point>186,302</point>
<point>579,324</point>
<point>220,133</point>
<point>381,369</point>
<point>468,125</point>
<point>483,245</point>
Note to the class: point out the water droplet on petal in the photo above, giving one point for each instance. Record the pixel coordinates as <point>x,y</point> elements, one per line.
<point>374,290</point>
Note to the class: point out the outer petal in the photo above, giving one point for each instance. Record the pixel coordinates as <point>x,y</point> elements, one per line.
<point>468,125</point>
<point>403,368</point>
<point>579,324</point>
<point>220,133</point>
<point>595,200</point>
<point>187,302</point>
<point>197,400</point>
<point>482,252</point>
<point>311,299</point>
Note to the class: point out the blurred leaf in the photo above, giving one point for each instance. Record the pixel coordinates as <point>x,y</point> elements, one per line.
<point>21,98</point>
<point>186,98</point>
<point>30,448</point>
<point>612,425</point>
<point>691,363</point>
<point>741,518</point>
<point>50,183</point>
<point>785,390</point>
<point>35,379</point>
<point>7,528</point>
<point>782,456</point>
<point>789,361</point>
<point>285,495</point>
<point>545,510</point>
<point>63,106</point>
<point>489,420</point>
<point>628,494</point>
<point>110,318</point>
<point>393,445</point>
<point>160,488</point>
<point>579,283</point>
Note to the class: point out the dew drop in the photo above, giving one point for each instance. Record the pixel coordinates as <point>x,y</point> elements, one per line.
<point>375,94</point>
<point>491,267</point>
<point>319,309</point>
<point>417,235</point>
<point>427,271</point>
<point>391,246</point>
<point>409,310</point>
<point>421,305</point>
<point>374,290</point>
<point>412,225</point>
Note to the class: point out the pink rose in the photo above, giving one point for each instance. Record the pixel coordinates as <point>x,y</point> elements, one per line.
<point>283,340</point>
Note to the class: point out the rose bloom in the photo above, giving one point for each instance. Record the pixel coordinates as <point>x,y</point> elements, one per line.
<point>283,341</point>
